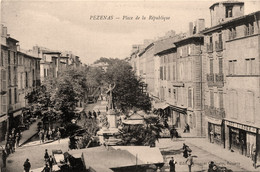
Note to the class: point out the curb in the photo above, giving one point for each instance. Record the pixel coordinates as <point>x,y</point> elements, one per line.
<point>28,139</point>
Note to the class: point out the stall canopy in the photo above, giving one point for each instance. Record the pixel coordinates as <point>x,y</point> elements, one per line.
<point>134,119</point>
<point>161,105</point>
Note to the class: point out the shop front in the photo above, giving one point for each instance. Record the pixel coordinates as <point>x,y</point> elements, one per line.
<point>243,139</point>
<point>179,116</point>
<point>215,131</point>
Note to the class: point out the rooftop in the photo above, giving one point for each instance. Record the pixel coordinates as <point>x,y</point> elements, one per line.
<point>226,3</point>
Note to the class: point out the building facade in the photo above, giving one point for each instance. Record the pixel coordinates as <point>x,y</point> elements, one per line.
<point>232,91</point>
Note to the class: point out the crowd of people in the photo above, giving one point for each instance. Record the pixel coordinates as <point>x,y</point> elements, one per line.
<point>50,134</point>
<point>12,143</point>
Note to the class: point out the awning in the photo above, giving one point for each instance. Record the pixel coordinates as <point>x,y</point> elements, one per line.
<point>179,109</point>
<point>214,121</point>
<point>133,122</point>
<point>161,105</point>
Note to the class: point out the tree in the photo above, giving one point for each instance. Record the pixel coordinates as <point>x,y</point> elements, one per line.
<point>59,96</point>
<point>128,92</point>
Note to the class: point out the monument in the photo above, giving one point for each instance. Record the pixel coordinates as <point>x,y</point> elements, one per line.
<point>109,129</point>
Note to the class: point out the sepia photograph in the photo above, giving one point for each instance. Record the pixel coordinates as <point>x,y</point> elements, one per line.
<point>130,86</point>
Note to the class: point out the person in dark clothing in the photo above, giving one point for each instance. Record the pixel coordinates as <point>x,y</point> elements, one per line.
<point>211,165</point>
<point>4,156</point>
<point>185,150</point>
<point>187,128</point>
<point>46,155</point>
<point>94,114</point>
<point>27,165</point>
<point>8,149</point>
<point>51,161</point>
<point>98,112</point>
<point>46,168</point>
<point>89,115</point>
<point>172,165</point>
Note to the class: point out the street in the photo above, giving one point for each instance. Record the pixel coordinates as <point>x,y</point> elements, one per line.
<point>35,152</point>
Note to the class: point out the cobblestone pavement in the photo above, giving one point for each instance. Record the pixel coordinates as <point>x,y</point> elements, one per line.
<point>200,155</point>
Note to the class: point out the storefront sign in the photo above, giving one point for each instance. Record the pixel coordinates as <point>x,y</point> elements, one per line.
<point>241,126</point>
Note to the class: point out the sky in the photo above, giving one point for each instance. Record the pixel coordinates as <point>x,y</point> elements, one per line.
<point>77,26</point>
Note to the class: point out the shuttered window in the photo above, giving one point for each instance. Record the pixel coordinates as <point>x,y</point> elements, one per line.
<point>220,65</point>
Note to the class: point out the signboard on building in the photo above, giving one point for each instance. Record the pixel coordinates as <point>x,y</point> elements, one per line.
<point>241,126</point>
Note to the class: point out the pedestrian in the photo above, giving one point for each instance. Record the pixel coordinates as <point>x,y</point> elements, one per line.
<point>172,133</point>
<point>40,136</point>
<point>17,140</point>
<point>58,135</point>
<point>46,155</point>
<point>172,164</point>
<point>46,168</point>
<point>45,136</point>
<point>185,150</point>
<point>98,112</point>
<point>51,161</point>
<point>211,165</point>
<point>94,114</point>
<point>189,162</point>
<point>89,114</point>
<point>187,128</point>
<point>8,149</point>
<point>4,156</point>
<point>211,136</point>
<point>50,133</point>
<point>27,165</point>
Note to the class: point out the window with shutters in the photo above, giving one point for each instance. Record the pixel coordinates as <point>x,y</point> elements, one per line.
<point>10,96</point>
<point>232,67</point>
<point>189,50</point>
<point>250,108</point>
<point>4,80</point>
<point>161,72</point>
<point>169,73</point>
<point>221,103</point>
<point>26,80</point>
<point>233,104</point>
<point>181,52</point>
<point>4,103</point>
<point>190,97</point>
<point>164,76</point>
<point>9,73</point>
<point>229,12</point>
<point>250,66</point>
<point>211,98</point>
<point>173,73</point>
<point>2,59</point>
<point>220,60</point>
<point>9,58</point>
<point>15,96</point>
<point>211,66</point>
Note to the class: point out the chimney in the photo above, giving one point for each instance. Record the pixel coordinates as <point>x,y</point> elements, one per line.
<point>17,47</point>
<point>190,29</point>
<point>200,25</point>
<point>4,31</point>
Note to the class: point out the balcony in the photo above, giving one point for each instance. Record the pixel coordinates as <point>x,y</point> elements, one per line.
<point>210,79</point>
<point>218,113</point>
<point>219,80</point>
<point>210,47</point>
<point>219,45</point>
